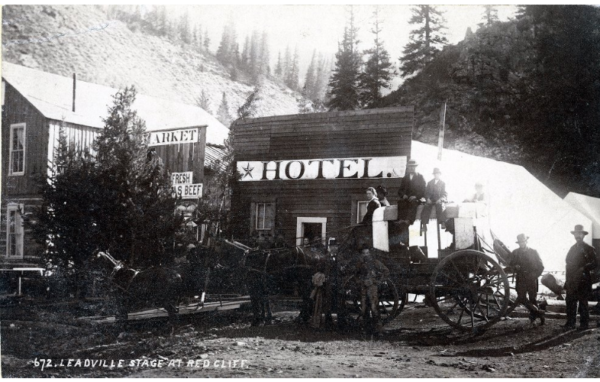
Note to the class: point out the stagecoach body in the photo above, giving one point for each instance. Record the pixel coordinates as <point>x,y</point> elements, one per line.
<point>464,283</point>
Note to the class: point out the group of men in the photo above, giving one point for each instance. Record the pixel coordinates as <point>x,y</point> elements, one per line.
<point>581,260</point>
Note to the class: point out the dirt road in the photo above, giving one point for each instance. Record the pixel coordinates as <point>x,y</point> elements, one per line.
<point>417,344</point>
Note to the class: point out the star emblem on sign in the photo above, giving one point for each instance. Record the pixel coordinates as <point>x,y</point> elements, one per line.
<point>248,171</point>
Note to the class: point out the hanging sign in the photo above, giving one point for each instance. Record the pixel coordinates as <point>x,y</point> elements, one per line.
<point>181,177</point>
<point>173,137</point>
<point>188,191</point>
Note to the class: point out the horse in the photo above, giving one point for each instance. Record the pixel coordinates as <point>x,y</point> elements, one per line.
<point>155,286</point>
<point>267,272</point>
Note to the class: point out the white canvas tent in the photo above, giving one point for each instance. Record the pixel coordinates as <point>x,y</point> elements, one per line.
<point>590,207</point>
<point>517,201</point>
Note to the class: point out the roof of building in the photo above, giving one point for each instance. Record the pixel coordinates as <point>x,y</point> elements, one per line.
<point>52,95</point>
<point>214,156</point>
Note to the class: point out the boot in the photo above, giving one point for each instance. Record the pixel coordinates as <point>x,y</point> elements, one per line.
<point>542,316</point>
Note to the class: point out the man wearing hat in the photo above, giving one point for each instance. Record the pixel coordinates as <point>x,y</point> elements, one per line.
<point>436,197</point>
<point>581,262</point>
<point>411,193</point>
<point>372,273</point>
<point>528,266</point>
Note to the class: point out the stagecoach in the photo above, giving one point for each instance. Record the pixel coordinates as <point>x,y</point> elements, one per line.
<point>460,275</point>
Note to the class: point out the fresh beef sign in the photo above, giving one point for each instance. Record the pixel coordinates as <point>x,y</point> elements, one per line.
<point>338,168</point>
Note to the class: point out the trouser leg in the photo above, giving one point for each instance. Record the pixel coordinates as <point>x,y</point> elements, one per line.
<point>363,301</point>
<point>571,302</point>
<point>584,312</point>
<point>425,214</point>
<point>440,213</point>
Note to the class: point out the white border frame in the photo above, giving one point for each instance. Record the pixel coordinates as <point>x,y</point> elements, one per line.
<point>10,148</point>
<point>300,227</point>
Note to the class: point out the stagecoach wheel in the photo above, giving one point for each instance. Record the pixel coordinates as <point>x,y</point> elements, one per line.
<point>389,299</point>
<point>469,290</point>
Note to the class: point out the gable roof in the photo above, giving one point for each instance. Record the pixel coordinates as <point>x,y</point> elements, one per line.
<point>590,207</point>
<point>52,95</point>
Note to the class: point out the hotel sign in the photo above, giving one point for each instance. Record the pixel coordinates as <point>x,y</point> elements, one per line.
<point>305,169</point>
<point>172,137</point>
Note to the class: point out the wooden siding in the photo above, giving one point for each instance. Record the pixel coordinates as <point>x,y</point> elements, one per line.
<point>185,156</point>
<point>78,136</point>
<point>18,110</point>
<point>384,132</point>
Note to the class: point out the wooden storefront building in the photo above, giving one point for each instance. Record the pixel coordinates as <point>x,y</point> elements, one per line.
<point>36,105</point>
<point>305,176</point>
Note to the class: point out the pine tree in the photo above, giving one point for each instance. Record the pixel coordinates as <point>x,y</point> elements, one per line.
<point>248,109</point>
<point>203,102</point>
<point>279,67</point>
<point>206,41</point>
<point>310,81</point>
<point>223,112</point>
<point>264,56</point>
<point>223,52</point>
<point>287,63</point>
<point>294,72</point>
<point>425,41</point>
<point>254,57</point>
<point>185,32</point>
<point>490,15</point>
<point>245,64</point>
<point>378,70</point>
<point>118,200</point>
<point>343,84</point>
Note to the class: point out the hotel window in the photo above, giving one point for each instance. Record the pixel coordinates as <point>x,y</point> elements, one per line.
<point>14,224</point>
<point>361,210</point>
<point>265,216</point>
<point>17,149</point>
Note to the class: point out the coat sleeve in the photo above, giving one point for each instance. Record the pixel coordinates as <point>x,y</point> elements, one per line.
<point>591,260</point>
<point>429,190</point>
<point>403,187</point>
<point>538,265</point>
<point>443,193</point>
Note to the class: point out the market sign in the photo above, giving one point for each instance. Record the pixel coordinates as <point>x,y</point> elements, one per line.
<point>304,169</point>
<point>173,137</point>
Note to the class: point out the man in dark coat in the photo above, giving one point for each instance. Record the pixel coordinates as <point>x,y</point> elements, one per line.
<point>528,266</point>
<point>411,192</point>
<point>436,197</point>
<point>372,273</point>
<point>581,262</point>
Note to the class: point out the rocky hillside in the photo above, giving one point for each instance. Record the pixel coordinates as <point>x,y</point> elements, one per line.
<point>77,38</point>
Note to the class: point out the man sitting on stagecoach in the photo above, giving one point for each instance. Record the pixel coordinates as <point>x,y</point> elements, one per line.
<point>411,193</point>
<point>436,198</point>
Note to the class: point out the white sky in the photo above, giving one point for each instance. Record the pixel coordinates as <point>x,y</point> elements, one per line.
<point>321,26</point>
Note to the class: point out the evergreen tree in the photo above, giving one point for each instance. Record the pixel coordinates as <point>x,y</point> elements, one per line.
<point>223,51</point>
<point>490,14</point>
<point>118,200</point>
<point>294,71</point>
<point>287,63</point>
<point>264,57</point>
<point>279,67</point>
<point>223,112</point>
<point>254,57</point>
<point>310,81</point>
<point>248,109</point>
<point>203,102</point>
<point>206,41</point>
<point>185,31</point>
<point>245,64</point>
<point>378,70</point>
<point>343,84</point>
<point>425,41</point>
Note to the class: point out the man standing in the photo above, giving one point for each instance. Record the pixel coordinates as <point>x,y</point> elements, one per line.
<point>412,190</point>
<point>372,273</point>
<point>581,262</point>
<point>528,266</point>
<point>436,197</point>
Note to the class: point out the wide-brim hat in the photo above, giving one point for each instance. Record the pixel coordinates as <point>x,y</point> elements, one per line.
<point>579,229</point>
<point>521,238</point>
<point>412,162</point>
<point>437,171</point>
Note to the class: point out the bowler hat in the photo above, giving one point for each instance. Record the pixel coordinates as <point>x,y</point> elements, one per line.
<point>437,171</point>
<point>521,238</point>
<point>579,228</point>
<point>381,190</point>
<point>412,162</point>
